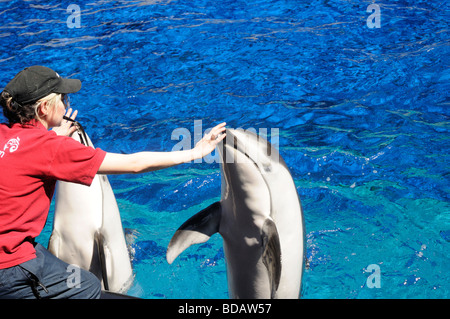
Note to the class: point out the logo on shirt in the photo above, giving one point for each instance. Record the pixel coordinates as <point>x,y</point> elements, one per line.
<point>12,145</point>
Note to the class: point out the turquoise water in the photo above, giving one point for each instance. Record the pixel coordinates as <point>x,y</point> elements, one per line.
<point>363,115</point>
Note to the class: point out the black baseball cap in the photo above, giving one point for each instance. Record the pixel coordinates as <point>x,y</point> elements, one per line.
<point>36,82</point>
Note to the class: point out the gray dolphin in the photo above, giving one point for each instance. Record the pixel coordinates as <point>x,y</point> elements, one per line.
<point>87,230</point>
<point>259,217</point>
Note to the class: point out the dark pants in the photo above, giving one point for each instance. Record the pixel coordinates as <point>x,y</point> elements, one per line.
<point>48,277</point>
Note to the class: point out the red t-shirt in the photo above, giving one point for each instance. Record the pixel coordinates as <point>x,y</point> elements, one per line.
<point>32,159</point>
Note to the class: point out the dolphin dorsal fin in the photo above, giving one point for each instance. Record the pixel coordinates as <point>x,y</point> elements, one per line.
<point>197,229</point>
<point>271,255</point>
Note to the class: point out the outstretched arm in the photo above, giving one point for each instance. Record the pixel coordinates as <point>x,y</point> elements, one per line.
<point>150,161</point>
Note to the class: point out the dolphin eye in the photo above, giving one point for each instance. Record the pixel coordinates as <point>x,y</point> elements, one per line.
<point>269,149</point>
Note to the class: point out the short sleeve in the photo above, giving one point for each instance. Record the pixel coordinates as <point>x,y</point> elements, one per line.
<point>75,162</point>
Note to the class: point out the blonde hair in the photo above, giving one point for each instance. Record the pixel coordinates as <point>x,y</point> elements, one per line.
<point>52,99</point>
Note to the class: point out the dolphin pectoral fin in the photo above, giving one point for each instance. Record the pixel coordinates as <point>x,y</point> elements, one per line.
<point>98,238</point>
<point>271,255</point>
<point>53,243</point>
<point>197,229</point>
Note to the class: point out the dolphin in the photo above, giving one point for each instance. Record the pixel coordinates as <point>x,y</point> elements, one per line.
<point>259,217</point>
<point>87,230</point>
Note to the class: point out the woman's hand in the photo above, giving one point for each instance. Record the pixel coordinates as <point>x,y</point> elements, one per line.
<point>209,142</point>
<point>67,128</point>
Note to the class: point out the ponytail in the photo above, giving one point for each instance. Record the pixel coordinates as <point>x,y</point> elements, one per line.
<point>18,113</point>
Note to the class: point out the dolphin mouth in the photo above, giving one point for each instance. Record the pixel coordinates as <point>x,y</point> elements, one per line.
<point>232,142</point>
<point>240,145</point>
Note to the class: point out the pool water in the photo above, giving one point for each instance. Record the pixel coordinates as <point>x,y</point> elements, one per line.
<point>363,118</point>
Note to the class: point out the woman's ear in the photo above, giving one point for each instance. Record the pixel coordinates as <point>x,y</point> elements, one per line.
<point>43,109</point>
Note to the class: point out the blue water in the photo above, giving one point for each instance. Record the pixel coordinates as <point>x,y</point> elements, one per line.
<point>363,115</point>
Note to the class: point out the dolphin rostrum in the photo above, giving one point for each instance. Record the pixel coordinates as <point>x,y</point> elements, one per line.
<point>87,230</point>
<point>259,217</point>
